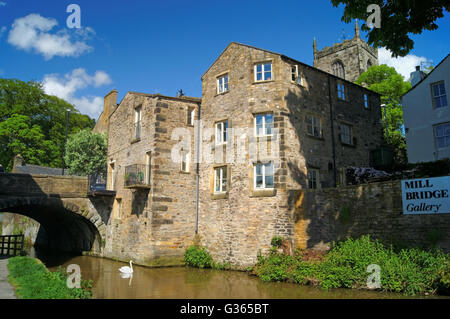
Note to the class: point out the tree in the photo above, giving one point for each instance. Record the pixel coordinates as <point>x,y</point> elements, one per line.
<point>391,86</point>
<point>398,19</point>
<point>86,153</point>
<point>41,117</point>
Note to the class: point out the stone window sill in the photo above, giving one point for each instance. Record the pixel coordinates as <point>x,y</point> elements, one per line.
<point>348,145</point>
<point>135,140</point>
<point>266,81</point>
<point>264,192</point>
<point>319,138</point>
<point>215,196</point>
<point>223,93</point>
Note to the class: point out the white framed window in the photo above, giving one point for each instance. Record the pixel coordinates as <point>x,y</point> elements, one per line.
<point>263,72</point>
<point>341,91</point>
<point>294,73</point>
<point>137,122</point>
<point>366,101</point>
<point>346,134</point>
<point>221,132</point>
<point>439,95</point>
<point>222,84</point>
<point>263,175</point>
<point>442,135</point>
<point>264,124</point>
<point>220,179</point>
<point>313,126</point>
<point>191,116</point>
<point>313,178</point>
<point>185,159</point>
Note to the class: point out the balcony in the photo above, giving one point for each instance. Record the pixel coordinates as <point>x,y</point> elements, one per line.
<point>137,176</point>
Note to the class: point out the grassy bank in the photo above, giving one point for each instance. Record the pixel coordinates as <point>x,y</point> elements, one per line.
<point>407,271</point>
<point>32,280</point>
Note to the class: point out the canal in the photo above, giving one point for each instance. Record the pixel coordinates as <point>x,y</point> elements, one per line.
<point>190,283</point>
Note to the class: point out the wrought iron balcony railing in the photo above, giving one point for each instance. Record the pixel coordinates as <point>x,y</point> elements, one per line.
<point>137,176</point>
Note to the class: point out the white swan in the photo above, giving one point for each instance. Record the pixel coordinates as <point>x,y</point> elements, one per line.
<point>126,269</point>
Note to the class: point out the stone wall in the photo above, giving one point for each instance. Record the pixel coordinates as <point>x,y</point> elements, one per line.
<point>323,216</point>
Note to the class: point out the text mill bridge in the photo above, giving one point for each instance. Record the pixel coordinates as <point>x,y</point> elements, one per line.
<point>72,218</point>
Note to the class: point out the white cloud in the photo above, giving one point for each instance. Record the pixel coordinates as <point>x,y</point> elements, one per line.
<point>2,4</point>
<point>403,65</point>
<point>32,33</point>
<point>66,87</point>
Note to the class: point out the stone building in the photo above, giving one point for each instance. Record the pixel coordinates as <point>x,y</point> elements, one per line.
<point>347,59</point>
<point>153,214</point>
<point>268,124</point>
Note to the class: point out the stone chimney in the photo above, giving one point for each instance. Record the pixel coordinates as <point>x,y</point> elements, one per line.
<point>110,103</point>
<point>18,161</point>
<point>416,76</point>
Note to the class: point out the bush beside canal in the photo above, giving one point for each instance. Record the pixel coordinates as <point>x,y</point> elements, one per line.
<point>199,257</point>
<point>409,271</point>
<point>32,280</point>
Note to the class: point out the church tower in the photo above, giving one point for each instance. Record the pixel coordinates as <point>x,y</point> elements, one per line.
<point>347,59</point>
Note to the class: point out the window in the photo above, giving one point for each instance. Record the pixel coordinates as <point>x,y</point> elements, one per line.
<point>137,122</point>
<point>338,69</point>
<point>313,126</point>
<point>366,101</point>
<point>191,116</point>
<point>442,134</point>
<point>112,175</point>
<point>263,175</point>
<point>341,91</point>
<point>118,208</point>
<point>221,132</point>
<point>313,178</point>
<point>439,96</point>
<point>294,73</point>
<point>264,124</point>
<point>346,134</point>
<point>220,179</point>
<point>185,156</point>
<point>222,84</point>
<point>263,72</point>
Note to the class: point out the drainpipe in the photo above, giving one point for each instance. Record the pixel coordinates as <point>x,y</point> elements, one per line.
<point>197,175</point>
<point>333,145</point>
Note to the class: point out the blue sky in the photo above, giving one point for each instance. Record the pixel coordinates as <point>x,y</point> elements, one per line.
<point>163,46</point>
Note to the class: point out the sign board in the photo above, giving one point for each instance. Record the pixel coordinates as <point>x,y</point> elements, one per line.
<point>426,195</point>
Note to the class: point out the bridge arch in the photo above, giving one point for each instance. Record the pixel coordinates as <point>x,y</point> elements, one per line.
<point>72,221</point>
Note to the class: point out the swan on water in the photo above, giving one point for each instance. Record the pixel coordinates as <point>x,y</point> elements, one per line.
<point>126,269</point>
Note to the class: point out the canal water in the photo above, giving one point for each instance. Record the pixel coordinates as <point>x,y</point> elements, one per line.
<point>190,283</point>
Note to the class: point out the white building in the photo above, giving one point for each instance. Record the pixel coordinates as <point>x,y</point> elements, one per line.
<point>426,114</point>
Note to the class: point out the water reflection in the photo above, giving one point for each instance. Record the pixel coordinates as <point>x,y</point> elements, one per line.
<point>187,283</point>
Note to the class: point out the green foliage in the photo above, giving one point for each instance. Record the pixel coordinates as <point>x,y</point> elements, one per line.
<point>86,153</point>
<point>398,20</point>
<point>33,123</point>
<point>409,271</point>
<point>391,86</point>
<point>198,257</point>
<point>276,241</point>
<point>33,281</point>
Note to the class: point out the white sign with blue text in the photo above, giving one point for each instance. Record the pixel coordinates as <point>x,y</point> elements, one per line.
<point>426,195</point>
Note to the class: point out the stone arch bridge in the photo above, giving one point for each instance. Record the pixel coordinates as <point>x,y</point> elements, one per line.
<point>74,218</point>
